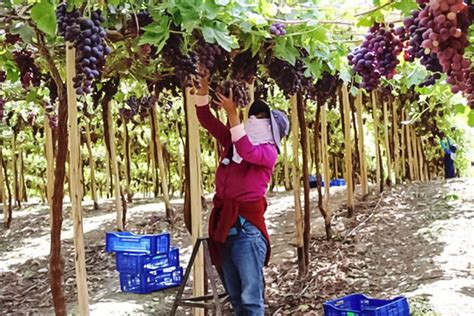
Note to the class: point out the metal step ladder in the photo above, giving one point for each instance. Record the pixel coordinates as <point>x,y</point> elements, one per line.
<point>219,303</point>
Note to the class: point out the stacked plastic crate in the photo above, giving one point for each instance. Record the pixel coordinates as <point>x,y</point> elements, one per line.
<point>146,263</point>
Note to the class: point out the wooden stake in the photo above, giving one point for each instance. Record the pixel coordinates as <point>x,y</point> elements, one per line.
<point>286,168</point>
<point>402,147</point>
<point>161,164</point>
<point>420,160</point>
<point>327,177</point>
<point>16,190</point>
<point>414,153</point>
<point>363,162</point>
<point>297,184</point>
<point>195,194</point>
<point>387,143</point>
<point>396,141</point>
<point>115,170</point>
<point>3,191</point>
<point>127,161</point>
<point>305,167</point>
<point>91,166</point>
<point>376,140</point>
<point>76,188</point>
<point>348,150</point>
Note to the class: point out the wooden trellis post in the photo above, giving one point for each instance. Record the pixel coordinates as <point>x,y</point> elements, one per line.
<point>161,164</point>
<point>396,141</point>
<point>403,146</point>
<point>127,161</point>
<point>297,184</point>
<point>415,154</point>
<point>376,140</point>
<point>3,191</point>
<point>362,159</point>
<point>195,194</point>
<point>348,151</point>
<point>326,175</point>
<point>286,169</point>
<point>115,170</point>
<point>91,166</point>
<point>75,183</point>
<point>387,142</point>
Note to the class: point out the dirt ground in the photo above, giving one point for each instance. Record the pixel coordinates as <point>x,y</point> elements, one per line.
<point>414,240</point>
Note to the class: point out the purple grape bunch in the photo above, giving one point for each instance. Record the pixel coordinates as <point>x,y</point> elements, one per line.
<point>278,29</point>
<point>88,37</point>
<point>377,56</point>
<point>3,76</point>
<point>29,72</point>
<point>185,65</point>
<point>2,108</point>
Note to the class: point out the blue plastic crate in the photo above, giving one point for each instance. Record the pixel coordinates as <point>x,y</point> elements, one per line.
<point>151,280</point>
<point>129,242</point>
<point>361,305</point>
<point>137,262</point>
<point>341,182</point>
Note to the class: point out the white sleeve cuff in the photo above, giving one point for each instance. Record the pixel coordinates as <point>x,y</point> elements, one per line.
<point>201,100</point>
<point>237,132</point>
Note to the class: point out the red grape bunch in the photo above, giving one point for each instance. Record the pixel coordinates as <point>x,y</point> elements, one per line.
<point>244,66</point>
<point>185,65</point>
<point>88,37</point>
<point>377,56</point>
<point>446,24</point>
<point>414,30</point>
<point>210,56</point>
<point>29,72</point>
<point>240,93</point>
<point>289,78</point>
<point>278,29</point>
<point>137,106</point>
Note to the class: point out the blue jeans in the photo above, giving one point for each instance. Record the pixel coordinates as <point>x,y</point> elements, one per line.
<point>242,270</point>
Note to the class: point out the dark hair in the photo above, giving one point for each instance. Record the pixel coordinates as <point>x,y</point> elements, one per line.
<point>258,106</point>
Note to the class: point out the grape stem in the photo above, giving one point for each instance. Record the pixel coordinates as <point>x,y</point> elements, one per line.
<point>380,7</point>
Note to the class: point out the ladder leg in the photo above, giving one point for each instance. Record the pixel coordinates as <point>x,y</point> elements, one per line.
<point>186,276</point>
<point>212,279</point>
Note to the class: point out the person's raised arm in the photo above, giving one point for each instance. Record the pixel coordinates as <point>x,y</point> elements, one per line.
<point>215,127</point>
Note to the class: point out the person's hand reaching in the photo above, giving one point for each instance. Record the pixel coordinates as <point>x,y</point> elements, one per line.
<point>229,106</point>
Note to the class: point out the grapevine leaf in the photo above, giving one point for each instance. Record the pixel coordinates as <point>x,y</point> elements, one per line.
<point>211,10</point>
<point>406,6</point>
<point>470,119</point>
<point>285,51</point>
<point>156,33</point>
<point>216,32</point>
<point>416,77</point>
<point>44,16</point>
<point>25,31</point>
<point>459,108</point>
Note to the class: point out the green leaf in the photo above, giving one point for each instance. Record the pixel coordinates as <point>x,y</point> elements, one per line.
<point>416,77</point>
<point>44,16</point>
<point>459,108</point>
<point>216,32</point>
<point>470,119</point>
<point>222,2</point>
<point>406,6</point>
<point>24,30</point>
<point>156,33</point>
<point>285,50</point>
